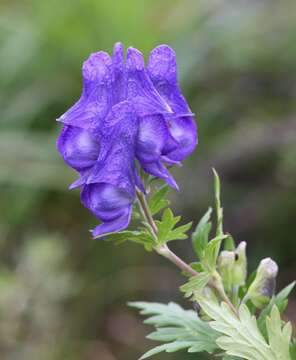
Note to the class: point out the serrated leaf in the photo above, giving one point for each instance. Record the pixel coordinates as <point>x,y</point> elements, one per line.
<point>279,336</point>
<point>157,201</point>
<point>166,228</point>
<point>195,284</point>
<point>182,329</point>
<point>211,253</point>
<point>142,237</point>
<point>200,237</point>
<point>240,334</point>
<point>169,348</point>
<point>179,233</point>
<point>280,300</point>
<point>168,221</point>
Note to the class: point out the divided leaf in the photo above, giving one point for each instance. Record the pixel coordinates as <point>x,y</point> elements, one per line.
<point>279,336</point>
<point>142,237</point>
<point>166,228</point>
<point>241,336</point>
<point>195,284</point>
<point>280,300</point>
<point>179,328</point>
<point>157,201</point>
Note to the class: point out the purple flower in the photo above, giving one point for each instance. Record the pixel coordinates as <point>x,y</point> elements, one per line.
<point>127,113</point>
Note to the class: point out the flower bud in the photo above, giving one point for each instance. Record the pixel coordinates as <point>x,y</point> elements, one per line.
<point>263,286</point>
<point>232,266</point>
<point>240,265</point>
<point>225,267</point>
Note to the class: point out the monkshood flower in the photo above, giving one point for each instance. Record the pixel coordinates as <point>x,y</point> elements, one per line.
<point>129,115</point>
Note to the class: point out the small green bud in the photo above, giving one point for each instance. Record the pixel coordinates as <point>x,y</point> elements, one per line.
<point>263,286</point>
<point>226,263</point>
<point>232,266</point>
<point>240,266</point>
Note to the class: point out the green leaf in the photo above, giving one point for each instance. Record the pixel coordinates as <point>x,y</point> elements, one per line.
<point>166,228</point>
<point>157,201</point>
<point>179,233</point>
<point>219,210</point>
<point>211,253</point>
<point>169,348</point>
<point>195,284</point>
<point>280,300</point>
<point>229,244</point>
<point>142,237</point>
<point>240,335</point>
<point>197,266</point>
<point>279,336</point>
<point>178,328</point>
<point>251,278</point>
<point>200,237</point>
<point>293,350</point>
<point>167,223</point>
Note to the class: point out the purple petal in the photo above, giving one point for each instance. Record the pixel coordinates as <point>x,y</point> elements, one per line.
<point>162,69</point>
<point>116,160</point>
<point>118,224</point>
<point>140,89</point>
<point>97,72</point>
<point>157,169</point>
<point>78,147</point>
<point>170,162</point>
<point>152,137</point>
<point>96,98</point>
<point>105,200</point>
<point>110,204</point>
<point>110,188</point>
<point>184,131</point>
<point>80,181</point>
<point>119,70</point>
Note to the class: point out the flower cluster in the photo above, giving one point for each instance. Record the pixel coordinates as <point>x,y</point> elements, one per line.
<point>128,116</point>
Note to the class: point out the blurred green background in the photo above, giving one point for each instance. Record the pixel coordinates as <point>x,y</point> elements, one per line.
<point>62,295</point>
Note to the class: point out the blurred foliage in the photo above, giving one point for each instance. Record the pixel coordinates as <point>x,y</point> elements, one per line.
<point>62,295</point>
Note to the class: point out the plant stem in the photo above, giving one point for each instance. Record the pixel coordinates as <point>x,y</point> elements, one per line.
<point>165,251</point>
<point>146,212</point>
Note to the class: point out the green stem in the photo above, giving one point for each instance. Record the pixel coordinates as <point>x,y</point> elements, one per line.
<point>146,213</point>
<point>165,251</point>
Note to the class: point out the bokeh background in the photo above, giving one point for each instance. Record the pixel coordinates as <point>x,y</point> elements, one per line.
<point>62,295</point>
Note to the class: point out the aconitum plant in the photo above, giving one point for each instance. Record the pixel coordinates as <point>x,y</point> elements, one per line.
<point>130,125</point>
